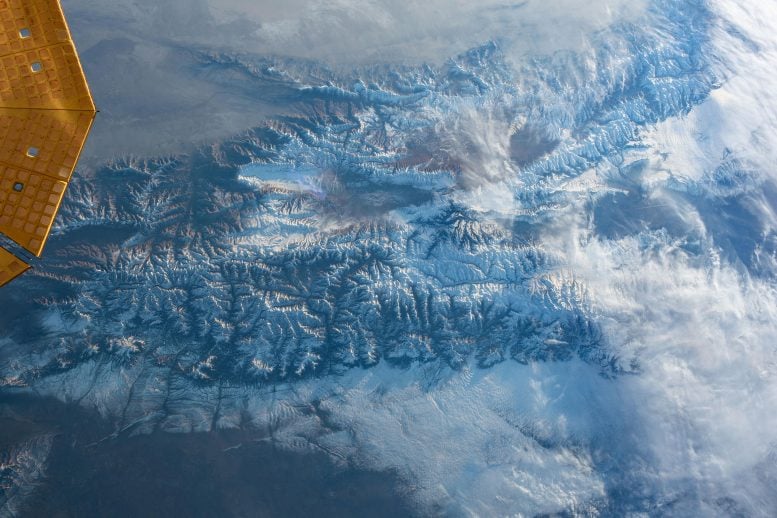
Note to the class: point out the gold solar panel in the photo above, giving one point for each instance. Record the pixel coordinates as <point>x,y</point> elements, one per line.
<point>30,24</point>
<point>46,113</point>
<point>10,267</point>
<point>49,77</point>
<point>29,202</point>
<point>57,135</point>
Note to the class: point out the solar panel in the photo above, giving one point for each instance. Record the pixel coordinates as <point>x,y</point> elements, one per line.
<point>46,112</point>
<point>10,267</point>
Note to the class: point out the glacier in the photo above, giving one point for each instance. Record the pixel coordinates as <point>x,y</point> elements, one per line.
<point>529,284</point>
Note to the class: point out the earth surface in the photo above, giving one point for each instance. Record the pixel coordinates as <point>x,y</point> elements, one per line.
<point>345,258</point>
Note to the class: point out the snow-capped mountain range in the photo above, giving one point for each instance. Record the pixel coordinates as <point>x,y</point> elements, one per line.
<point>529,286</point>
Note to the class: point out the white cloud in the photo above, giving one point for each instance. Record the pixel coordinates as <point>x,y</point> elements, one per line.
<point>703,336</point>
<point>740,118</point>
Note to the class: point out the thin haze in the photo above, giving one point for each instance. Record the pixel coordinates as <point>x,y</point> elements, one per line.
<point>344,31</point>
<point>348,32</point>
<point>153,101</point>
